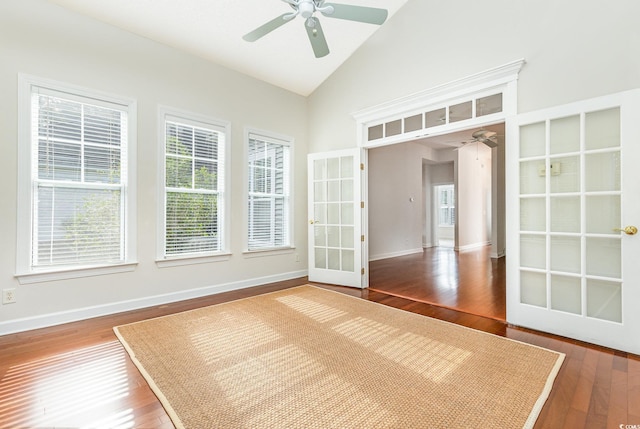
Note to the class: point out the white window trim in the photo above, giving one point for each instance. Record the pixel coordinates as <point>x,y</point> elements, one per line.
<point>166,113</point>
<point>285,141</point>
<point>24,272</point>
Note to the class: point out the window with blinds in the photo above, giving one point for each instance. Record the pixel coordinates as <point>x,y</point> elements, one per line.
<point>194,185</point>
<point>447,211</point>
<point>79,180</point>
<point>269,193</point>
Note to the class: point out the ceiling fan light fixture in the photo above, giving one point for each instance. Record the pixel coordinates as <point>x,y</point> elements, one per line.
<point>306,8</point>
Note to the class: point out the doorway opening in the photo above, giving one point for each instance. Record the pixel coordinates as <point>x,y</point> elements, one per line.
<point>448,192</point>
<point>444,218</point>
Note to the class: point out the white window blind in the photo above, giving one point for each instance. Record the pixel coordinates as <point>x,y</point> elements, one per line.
<point>269,193</point>
<point>79,180</point>
<point>446,196</point>
<point>194,184</point>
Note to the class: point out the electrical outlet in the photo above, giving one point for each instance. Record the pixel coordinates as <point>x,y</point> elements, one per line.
<point>8,296</point>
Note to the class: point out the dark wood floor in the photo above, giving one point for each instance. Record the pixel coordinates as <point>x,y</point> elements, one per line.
<point>467,281</point>
<point>78,375</point>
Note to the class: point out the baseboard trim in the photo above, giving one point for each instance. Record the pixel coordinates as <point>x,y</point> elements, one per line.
<point>473,246</point>
<point>396,254</point>
<point>53,319</point>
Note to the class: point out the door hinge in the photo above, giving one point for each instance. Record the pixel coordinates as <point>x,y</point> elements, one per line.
<point>361,204</point>
<point>362,166</point>
<point>362,238</point>
<point>362,271</point>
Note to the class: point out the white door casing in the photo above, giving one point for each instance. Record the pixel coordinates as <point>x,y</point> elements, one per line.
<point>572,179</point>
<point>337,251</point>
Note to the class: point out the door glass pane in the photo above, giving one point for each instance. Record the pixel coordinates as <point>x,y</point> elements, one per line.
<point>565,174</point>
<point>319,169</point>
<point>347,190</point>
<point>320,235</point>
<point>333,213</point>
<point>320,191</point>
<point>604,300</point>
<point>532,214</point>
<point>346,167</point>
<point>566,294</point>
<point>532,140</point>
<point>602,172</point>
<point>333,168</point>
<point>347,260</point>
<point>347,237</point>
<point>565,214</point>
<point>533,288</point>
<point>565,135</point>
<point>460,112</point>
<point>333,193</point>
<point>565,254</point>
<point>333,236</point>
<point>347,214</point>
<point>333,259</point>
<point>320,213</point>
<point>603,213</point>
<point>320,257</point>
<point>532,177</point>
<point>533,251</point>
<point>602,129</point>
<point>604,257</point>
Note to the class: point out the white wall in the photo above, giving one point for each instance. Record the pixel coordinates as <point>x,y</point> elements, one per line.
<point>395,222</point>
<point>473,197</point>
<point>574,50</point>
<point>42,39</point>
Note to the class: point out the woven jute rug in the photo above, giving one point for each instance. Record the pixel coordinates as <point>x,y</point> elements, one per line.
<point>311,358</point>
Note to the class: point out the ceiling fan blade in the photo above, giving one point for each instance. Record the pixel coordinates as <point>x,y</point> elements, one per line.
<point>317,39</point>
<point>370,15</point>
<point>267,28</point>
<point>490,143</point>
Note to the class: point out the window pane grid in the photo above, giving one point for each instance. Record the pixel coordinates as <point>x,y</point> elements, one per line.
<point>78,151</point>
<point>268,198</point>
<point>193,172</point>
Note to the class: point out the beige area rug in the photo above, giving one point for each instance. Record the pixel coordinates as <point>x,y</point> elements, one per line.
<point>311,358</point>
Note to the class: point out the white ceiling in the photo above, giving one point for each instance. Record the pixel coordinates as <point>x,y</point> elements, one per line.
<point>459,138</point>
<point>213,30</point>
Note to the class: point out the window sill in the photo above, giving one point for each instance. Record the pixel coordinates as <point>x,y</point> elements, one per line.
<point>268,252</point>
<point>74,273</point>
<point>191,260</point>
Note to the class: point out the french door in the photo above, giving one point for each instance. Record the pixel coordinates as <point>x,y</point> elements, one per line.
<point>336,238</point>
<point>574,178</point>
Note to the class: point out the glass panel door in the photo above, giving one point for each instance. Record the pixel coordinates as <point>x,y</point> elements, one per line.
<point>574,271</point>
<point>335,247</point>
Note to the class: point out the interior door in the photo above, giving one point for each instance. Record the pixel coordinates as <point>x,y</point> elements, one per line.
<point>336,240</point>
<point>574,175</point>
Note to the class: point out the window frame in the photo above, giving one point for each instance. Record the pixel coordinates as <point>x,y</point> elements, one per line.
<point>285,141</point>
<point>170,114</point>
<point>25,272</point>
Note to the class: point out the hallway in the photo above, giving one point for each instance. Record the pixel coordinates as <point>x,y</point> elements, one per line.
<point>468,281</point>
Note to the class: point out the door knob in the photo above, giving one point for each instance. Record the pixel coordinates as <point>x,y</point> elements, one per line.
<point>629,230</point>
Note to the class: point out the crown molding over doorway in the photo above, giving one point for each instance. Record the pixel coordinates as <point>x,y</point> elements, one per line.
<point>502,79</point>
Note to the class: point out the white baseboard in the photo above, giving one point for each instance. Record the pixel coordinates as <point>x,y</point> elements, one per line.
<point>395,254</point>
<point>52,319</point>
<point>473,246</point>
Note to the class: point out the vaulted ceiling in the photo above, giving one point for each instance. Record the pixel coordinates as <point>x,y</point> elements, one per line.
<point>213,30</point>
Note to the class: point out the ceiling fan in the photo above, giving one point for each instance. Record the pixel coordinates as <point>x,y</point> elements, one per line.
<point>489,138</point>
<point>307,8</point>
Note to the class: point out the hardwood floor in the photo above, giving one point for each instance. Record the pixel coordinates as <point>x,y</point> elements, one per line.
<point>78,375</point>
<point>467,281</point>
